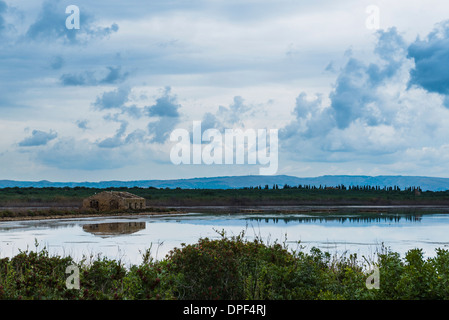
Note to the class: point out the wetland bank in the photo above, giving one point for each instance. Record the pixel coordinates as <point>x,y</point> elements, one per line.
<point>32,202</point>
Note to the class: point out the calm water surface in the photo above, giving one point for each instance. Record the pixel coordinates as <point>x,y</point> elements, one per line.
<point>126,238</point>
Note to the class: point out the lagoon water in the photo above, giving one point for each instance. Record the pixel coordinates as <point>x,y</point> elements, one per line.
<point>126,238</point>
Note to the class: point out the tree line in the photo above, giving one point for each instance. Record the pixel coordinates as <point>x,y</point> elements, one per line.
<point>338,187</point>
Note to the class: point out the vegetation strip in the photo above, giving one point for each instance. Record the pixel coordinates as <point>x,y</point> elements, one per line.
<point>20,203</point>
<point>229,268</point>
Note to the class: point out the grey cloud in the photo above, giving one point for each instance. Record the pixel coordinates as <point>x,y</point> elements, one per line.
<point>209,121</point>
<point>116,140</point>
<point>112,117</point>
<point>69,153</point>
<point>311,119</point>
<point>330,67</point>
<point>112,99</point>
<point>38,138</point>
<point>352,92</point>
<point>227,117</point>
<point>3,8</point>
<point>166,110</point>
<point>112,142</point>
<point>57,62</point>
<point>120,138</point>
<point>391,48</point>
<point>133,111</point>
<point>431,70</point>
<point>114,75</point>
<point>233,114</point>
<point>50,25</point>
<point>160,130</point>
<point>166,106</point>
<point>82,124</point>
<point>356,103</point>
<point>77,79</point>
<point>356,85</point>
<point>137,135</point>
<point>100,32</point>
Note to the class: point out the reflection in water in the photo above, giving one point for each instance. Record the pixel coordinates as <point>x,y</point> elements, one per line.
<point>338,218</point>
<point>115,237</point>
<point>114,228</point>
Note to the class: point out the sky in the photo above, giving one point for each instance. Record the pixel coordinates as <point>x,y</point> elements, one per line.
<point>352,87</point>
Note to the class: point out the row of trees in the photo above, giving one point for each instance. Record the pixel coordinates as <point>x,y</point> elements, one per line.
<point>338,187</point>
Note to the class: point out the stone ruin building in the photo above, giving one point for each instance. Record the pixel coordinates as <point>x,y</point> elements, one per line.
<point>114,200</point>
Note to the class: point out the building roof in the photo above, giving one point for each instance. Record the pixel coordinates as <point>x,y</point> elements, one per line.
<point>116,194</point>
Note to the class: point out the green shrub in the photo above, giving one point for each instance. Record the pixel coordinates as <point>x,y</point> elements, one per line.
<point>103,279</point>
<point>228,268</point>
<point>33,275</point>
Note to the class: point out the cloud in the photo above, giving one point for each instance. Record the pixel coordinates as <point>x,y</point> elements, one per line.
<point>165,106</point>
<point>57,62</point>
<point>160,130</point>
<point>357,86</point>
<point>51,25</point>
<point>120,138</point>
<point>210,121</point>
<point>38,138</point>
<point>114,75</point>
<point>227,117</point>
<point>133,111</point>
<point>431,55</point>
<point>116,140</point>
<point>3,8</point>
<point>113,99</point>
<point>82,124</point>
<point>166,110</point>
<point>366,112</point>
<point>137,135</point>
<point>330,67</point>
<point>310,118</point>
<point>69,153</point>
<point>233,114</point>
<point>77,79</point>
<point>373,119</point>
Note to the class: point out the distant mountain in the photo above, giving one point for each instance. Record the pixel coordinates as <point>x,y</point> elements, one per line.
<point>425,183</point>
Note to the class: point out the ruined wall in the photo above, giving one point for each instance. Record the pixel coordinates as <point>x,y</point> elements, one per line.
<point>107,201</point>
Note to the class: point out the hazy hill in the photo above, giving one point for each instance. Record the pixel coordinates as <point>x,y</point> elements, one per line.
<point>426,183</point>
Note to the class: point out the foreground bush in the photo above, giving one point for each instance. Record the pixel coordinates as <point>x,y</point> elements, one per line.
<point>228,268</point>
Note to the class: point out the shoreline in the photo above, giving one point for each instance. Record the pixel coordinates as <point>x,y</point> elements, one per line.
<point>179,210</point>
<point>87,215</point>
